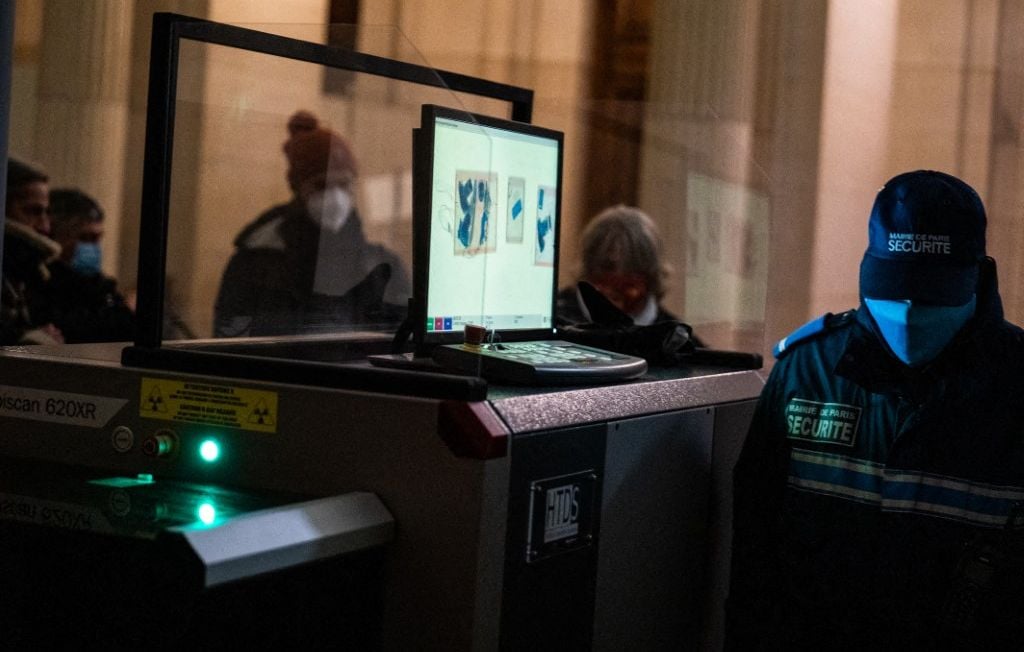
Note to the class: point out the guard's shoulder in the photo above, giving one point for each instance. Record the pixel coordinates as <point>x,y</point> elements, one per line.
<point>812,330</point>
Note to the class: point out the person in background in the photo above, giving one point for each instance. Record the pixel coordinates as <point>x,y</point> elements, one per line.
<point>79,298</point>
<point>622,258</point>
<point>27,250</point>
<point>879,495</point>
<point>305,266</point>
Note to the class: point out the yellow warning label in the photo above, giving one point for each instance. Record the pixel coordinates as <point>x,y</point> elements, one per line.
<point>212,405</point>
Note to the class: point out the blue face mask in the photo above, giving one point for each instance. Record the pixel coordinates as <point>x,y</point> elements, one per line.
<point>86,259</point>
<point>916,334</point>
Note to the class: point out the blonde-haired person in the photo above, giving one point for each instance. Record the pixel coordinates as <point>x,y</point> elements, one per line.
<point>622,258</point>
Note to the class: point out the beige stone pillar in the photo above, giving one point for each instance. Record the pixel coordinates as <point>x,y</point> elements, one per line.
<point>788,145</point>
<point>1004,193</point>
<point>855,141</point>
<point>82,103</point>
<point>180,262</point>
<point>699,132</point>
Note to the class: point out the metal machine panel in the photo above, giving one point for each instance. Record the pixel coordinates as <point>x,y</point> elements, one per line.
<point>313,441</point>
<point>731,424</point>
<point>664,390</point>
<point>284,537</point>
<point>554,500</point>
<point>651,572</point>
<point>128,562</point>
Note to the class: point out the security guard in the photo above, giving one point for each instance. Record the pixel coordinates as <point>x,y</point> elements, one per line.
<point>879,496</point>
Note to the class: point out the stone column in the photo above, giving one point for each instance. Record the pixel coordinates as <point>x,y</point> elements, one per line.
<point>1004,194</point>
<point>83,92</point>
<point>695,170</point>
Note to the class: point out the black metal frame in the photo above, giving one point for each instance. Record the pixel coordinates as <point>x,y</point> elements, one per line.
<point>168,30</point>
<point>307,372</point>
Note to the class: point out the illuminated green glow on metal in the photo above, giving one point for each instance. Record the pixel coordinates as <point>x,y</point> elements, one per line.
<point>209,450</point>
<point>206,513</point>
<point>122,482</point>
<point>145,478</point>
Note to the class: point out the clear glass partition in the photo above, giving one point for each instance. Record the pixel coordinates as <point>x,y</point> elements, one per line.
<point>253,250</point>
<point>290,196</point>
<point>706,118</point>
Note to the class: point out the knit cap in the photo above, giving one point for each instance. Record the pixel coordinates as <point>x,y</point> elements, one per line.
<point>316,153</point>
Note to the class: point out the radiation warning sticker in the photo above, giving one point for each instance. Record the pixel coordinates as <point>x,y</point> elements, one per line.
<point>207,404</point>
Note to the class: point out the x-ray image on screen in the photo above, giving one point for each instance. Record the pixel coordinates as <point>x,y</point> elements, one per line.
<point>479,179</point>
<point>544,252</point>
<point>516,210</point>
<point>475,218</point>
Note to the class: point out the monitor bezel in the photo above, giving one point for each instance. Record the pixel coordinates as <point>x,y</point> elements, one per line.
<point>423,176</point>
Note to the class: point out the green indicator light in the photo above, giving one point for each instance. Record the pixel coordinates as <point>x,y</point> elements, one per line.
<point>145,478</point>
<point>206,513</point>
<point>209,450</point>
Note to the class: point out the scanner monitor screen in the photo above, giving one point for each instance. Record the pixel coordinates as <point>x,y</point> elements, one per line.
<point>494,198</point>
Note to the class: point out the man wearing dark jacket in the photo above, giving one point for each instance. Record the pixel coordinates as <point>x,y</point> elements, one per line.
<point>82,301</point>
<point>879,496</point>
<point>306,266</point>
<point>27,250</point>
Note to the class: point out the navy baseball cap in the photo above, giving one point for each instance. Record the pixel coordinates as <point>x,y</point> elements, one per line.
<point>926,237</point>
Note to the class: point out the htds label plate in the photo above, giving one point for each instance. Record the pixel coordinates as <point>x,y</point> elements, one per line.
<point>561,514</point>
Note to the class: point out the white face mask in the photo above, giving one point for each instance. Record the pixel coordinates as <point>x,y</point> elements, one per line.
<point>330,207</point>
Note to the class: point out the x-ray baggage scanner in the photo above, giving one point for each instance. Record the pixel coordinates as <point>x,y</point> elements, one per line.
<point>439,511</point>
<point>591,515</point>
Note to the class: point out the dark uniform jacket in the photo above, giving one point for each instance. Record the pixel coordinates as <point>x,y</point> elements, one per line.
<point>85,307</point>
<point>268,285</point>
<point>23,277</point>
<point>876,507</point>
<point>649,343</point>
<point>569,308</point>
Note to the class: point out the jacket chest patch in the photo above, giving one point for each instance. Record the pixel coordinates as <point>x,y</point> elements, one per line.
<point>824,423</point>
